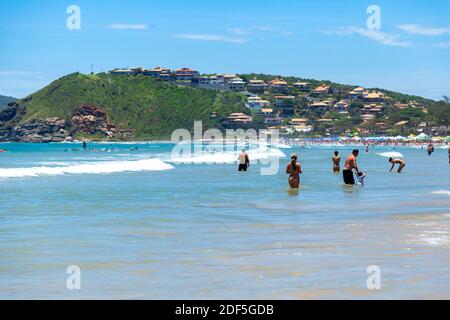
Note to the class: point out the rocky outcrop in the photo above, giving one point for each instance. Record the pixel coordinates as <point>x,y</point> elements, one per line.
<point>92,120</point>
<point>46,130</point>
<point>8,114</point>
<point>86,120</point>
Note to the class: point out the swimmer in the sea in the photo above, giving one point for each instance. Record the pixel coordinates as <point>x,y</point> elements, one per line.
<point>336,162</point>
<point>400,162</point>
<point>294,170</point>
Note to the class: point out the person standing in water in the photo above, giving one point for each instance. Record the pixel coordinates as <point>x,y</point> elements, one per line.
<point>430,149</point>
<point>294,170</point>
<point>84,145</point>
<point>336,162</point>
<point>244,161</point>
<point>350,164</point>
<point>449,155</point>
<point>400,162</point>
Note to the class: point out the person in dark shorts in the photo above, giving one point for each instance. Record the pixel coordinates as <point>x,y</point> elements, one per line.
<point>244,161</point>
<point>430,149</point>
<point>350,164</point>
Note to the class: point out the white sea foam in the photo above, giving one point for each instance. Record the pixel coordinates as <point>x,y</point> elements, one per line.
<point>391,154</point>
<point>97,168</point>
<point>54,163</point>
<point>228,157</point>
<point>283,146</point>
<point>441,192</point>
<point>436,237</point>
<point>437,241</point>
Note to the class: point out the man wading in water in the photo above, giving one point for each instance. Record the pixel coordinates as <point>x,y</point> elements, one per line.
<point>244,161</point>
<point>336,162</point>
<point>294,170</point>
<point>350,164</point>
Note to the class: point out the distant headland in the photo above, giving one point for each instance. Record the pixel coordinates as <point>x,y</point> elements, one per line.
<point>148,104</point>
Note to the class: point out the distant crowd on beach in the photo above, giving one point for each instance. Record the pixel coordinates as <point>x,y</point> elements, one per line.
<point>422,144</point>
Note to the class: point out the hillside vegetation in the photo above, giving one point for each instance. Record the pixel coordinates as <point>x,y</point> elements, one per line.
<point>150,108</point>
<point>111,106</point>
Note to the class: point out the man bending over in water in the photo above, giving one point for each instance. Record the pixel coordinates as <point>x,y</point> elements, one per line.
<point>294,170</point>
<point>350,164</point>
<point>401,164</point>
<point>336,162</point>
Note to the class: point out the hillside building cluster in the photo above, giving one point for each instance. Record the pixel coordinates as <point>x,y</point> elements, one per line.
<point>280,102</point>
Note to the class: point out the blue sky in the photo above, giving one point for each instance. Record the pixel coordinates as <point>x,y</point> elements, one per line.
<point>314,39</point>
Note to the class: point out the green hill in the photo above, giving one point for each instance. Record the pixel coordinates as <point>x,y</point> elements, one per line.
<point>148,107</point>
<point>126,107</point>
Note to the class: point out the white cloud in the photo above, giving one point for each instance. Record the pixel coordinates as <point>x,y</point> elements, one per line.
<point>258,30</point>
<point>372,34</point>
<point>240,31</point>
<point>122,26</point>
<point>422,30</point>
<point>210,37</point>
<point>443,45</point>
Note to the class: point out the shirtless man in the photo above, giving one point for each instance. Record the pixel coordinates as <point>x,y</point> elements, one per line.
<point>401,164</point>
<point>336,162</point>
<point>294,170</point>
<point>244,161</point>
<point>350,164</point>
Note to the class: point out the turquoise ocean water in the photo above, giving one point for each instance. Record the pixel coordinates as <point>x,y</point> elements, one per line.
<point>142,225</point>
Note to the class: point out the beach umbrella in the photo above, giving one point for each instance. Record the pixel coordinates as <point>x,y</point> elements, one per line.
<point>422,136</point>
<point>400,138</point>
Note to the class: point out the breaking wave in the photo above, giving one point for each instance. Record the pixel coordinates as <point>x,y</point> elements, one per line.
<point>391,154</point>
<point>442,192</point>
<point>97,168</point>
<point>227,157</point>
<point>283,146</point>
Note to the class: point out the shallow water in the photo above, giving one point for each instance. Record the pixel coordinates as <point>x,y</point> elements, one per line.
<point>151,227</point>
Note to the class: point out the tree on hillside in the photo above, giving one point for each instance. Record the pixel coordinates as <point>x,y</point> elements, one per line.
<point>355,107</point>
<point>440,113</point>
